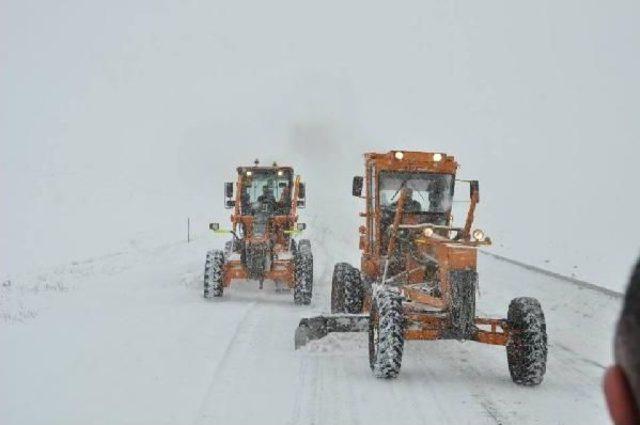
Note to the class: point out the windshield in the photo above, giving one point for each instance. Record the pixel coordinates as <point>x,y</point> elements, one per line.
<point>428,192</point>
<point>266,191</point>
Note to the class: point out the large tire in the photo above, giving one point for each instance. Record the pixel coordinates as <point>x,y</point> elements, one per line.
<point>214,274</point>
<point>463,303</point>
<point>527,344</point>
<point>303,287</point>
<point>347,290</point>
<point>337,287</point>
<point>386,334</point>
<point>353,291</point>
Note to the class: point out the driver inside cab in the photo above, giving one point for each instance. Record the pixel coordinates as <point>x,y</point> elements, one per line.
<point>410,204</point>
<point>266,201</point>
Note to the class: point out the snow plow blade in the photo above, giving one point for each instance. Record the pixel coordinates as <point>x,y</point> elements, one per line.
<point>313,328</point>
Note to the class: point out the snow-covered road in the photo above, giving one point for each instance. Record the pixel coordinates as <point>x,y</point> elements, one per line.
<point>128,339</point>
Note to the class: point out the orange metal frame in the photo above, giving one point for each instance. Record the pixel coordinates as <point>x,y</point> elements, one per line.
<point>282,270</point>
<point>426,316</point>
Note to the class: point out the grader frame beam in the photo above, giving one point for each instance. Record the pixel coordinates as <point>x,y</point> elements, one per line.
<point>420,326</point>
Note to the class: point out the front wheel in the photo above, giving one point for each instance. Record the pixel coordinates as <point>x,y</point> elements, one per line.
<point>214,274</point>
<point>386,334</point>
<point>527,344</point>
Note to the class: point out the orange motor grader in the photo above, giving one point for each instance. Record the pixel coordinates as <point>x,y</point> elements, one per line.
<point>265,202</point>
<point>417,278</point>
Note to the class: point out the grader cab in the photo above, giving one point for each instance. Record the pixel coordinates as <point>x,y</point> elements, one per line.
<point>265,202</point>
<point>417,278</point>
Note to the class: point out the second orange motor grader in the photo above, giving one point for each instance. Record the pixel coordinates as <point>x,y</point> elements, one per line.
<point>265,206</point>
<point>417,278</point>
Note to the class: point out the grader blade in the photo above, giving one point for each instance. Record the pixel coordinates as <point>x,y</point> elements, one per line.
<point>312,328</point>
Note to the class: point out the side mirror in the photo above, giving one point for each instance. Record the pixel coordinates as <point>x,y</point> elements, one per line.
<point>301,203</point>
<point>229,203</point>
<point>228,190</point>
<point>356,188</point>
<point>302,191</point>
<point>474,187</point>
<point>301,226</point>
<point>214,226</point>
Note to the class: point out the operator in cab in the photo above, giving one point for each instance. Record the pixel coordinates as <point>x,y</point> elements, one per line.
<point>410,204</point>
<point>267,201</point>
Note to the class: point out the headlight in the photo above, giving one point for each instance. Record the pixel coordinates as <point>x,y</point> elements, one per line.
<point>479,235</point>
<point>249,173</point>
<point>437,157</point>
<point>428,231</point>
<point>399,155</point>
<point>280,173</point>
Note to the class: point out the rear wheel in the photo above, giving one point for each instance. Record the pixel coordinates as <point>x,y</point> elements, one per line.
<point>337,287</point>
<point>347,291</point>
<point>214,274</point>
<point>303,287</point>
<point>463,303</point>
<point>386,334</point>
<point>353,291</point>
<point>527,345</point>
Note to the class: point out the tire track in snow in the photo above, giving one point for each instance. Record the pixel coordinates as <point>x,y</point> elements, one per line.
<point>301,383</point>
<point>224,359</point>
<point>260,367</point>
<point>434,385</point>
<point>326,391</point>
<point>567,363</point>
<point>575,356</point>
<point>489,406</point>
<point>491,410</point>
<point>347,394</point>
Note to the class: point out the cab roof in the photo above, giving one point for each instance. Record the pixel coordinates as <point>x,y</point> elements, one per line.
<point>400,160</point>
<point>264,168</point>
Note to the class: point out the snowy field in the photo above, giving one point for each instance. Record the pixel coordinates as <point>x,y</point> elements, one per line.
<point>128,339</point>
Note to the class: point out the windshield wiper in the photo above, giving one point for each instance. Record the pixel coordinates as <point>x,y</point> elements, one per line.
<point>400,188</point>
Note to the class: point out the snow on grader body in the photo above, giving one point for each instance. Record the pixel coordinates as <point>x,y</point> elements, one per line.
<point>264,220</point>
<point>418,276</point>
